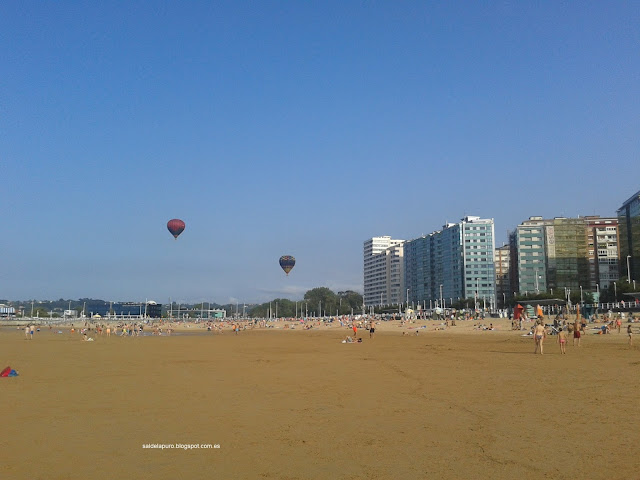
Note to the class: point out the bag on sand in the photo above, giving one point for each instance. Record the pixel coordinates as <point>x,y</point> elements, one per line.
<point>8,372</point>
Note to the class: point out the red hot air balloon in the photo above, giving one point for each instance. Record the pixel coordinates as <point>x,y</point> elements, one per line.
<point>176,227</point>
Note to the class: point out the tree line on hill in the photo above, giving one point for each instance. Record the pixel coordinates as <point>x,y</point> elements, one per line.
<point>320,301</point>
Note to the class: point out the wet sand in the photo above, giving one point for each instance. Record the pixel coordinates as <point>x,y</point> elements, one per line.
<point>298,404</point>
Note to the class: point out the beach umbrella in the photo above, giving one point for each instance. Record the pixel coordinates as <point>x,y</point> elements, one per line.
<point>287,262</point>
<point>176,227</point>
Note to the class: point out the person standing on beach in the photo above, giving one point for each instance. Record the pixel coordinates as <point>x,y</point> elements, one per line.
<point>26,332</point>
<point>630,333</point>
<point>31,330</point>
<point>576,333</point>
<point>538,335</point>
<point>355,330</point>
<point>372,329</point>
<point>562,340</point>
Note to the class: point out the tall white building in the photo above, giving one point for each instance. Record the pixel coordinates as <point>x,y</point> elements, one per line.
<point>383,271</point>
<point>395,273</point>
<point>603,251</point>
<point>502,259</point>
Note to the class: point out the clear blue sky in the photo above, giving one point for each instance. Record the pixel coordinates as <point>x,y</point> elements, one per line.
<point>299,128</point>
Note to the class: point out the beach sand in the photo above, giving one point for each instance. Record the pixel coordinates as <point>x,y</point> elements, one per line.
<point>296,404</point>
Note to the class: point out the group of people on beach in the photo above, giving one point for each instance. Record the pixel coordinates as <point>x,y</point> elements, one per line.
<point>578,329</point>
<point>29,330</point>
<point>540,333</point>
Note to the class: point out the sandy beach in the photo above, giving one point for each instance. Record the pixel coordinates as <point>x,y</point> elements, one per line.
<point>298,404</point>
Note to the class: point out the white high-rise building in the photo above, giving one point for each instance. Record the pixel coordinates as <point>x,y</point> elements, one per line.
<point>383,271</point>
<point>502,260</point>
<point>602,251</point>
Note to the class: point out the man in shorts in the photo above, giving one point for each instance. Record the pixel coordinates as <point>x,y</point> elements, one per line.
<point>576,333</point>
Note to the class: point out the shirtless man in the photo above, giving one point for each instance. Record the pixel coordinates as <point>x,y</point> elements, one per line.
<point>538,335</point>
<point>576,333</point>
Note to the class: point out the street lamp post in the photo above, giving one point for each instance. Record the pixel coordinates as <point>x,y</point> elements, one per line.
<point>441,304</point>
<point>628,269</point>
<point>580,294</point>
<point>408,297</point>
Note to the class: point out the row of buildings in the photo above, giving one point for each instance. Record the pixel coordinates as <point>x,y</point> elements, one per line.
<point>461,261</point>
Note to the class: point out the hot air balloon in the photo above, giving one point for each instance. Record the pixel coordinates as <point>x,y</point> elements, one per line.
<point>287,262</point>
<point>176,227</point>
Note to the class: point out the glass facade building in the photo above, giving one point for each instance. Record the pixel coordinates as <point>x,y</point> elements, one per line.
<point>452,264</point>
<point>418,268</point>
<point>559,253</point>
<point>629,237</point>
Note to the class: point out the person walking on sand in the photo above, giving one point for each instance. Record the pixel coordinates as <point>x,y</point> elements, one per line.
<point>562,340</point>
<point>372,329</point>
<point>538,335</point>
<point>26,332</point>
<point>630,333</point>
<point>31,330</point>
<point>355,330</point>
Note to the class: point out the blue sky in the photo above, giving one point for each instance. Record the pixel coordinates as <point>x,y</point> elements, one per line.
<point>298,128</point>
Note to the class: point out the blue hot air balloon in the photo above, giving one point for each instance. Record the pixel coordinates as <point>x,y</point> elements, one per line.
<point>287,262</point>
